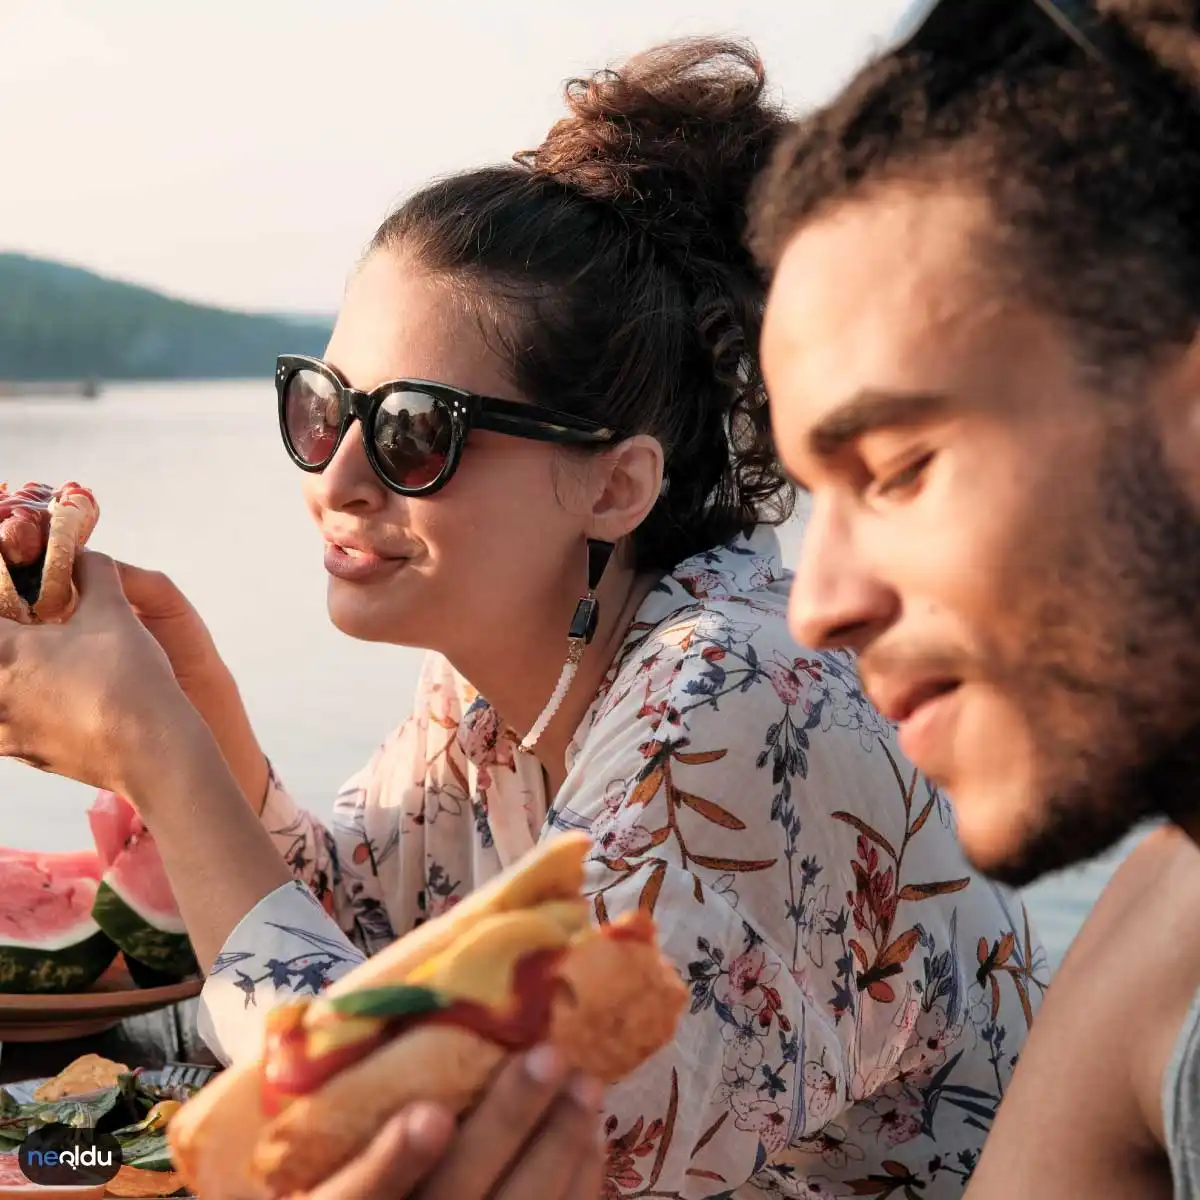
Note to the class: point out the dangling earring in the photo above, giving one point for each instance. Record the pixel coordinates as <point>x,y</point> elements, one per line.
<point>579,636</point>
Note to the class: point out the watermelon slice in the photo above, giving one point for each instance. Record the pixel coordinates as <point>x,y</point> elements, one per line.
<point>49,940</point>
<point>134,904</point>
<point>74,864</point>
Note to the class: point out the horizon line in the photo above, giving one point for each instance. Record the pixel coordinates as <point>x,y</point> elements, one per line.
<point>280,314</point>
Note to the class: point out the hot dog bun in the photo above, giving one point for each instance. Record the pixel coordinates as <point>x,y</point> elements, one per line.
<point>610,1001</point>
<point>42,589</point>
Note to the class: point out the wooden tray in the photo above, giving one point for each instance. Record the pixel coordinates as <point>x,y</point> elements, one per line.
<point>112,998</point>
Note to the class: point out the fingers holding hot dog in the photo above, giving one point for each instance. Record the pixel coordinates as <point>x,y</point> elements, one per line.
<point>403,1153</point>
<point>536,1133</point>
<point>505,1136</point>
<point>533,1136</point>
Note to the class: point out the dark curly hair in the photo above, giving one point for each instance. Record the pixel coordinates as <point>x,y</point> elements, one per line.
<point>611,265</point>
<point>1092,171</point>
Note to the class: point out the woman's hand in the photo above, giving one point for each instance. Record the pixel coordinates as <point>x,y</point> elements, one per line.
<point>534,1136</point>
<point>176,626</point>
<point>202,674</point>
<point>95,698</point>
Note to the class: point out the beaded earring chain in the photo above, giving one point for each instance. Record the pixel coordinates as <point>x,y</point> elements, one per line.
<point>579,637</point>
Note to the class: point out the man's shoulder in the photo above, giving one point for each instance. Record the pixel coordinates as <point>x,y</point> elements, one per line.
<point>1140,946</point>
<point>1093,1068</point>
<point>1127,889</point>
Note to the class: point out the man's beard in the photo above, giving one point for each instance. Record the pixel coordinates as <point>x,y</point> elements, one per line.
<point>1109,672</point>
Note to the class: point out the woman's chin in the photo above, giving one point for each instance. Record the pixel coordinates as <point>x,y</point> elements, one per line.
<point>367,618</point>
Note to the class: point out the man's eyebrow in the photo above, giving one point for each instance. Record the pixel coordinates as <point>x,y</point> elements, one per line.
<point>870,410</point>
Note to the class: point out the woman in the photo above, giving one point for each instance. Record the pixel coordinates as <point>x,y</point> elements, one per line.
<point>859,997</point>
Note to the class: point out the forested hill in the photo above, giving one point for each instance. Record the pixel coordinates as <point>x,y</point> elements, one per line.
<point>64,323</point>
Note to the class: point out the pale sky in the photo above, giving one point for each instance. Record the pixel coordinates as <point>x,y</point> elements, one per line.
<point>242,152</point>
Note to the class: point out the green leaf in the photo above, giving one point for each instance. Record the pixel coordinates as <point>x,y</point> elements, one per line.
<point>127,1132</point>
<point>149,1094</point>
<point>82,1112</point>
<point>149,1152</point>
<point>85,1111</point>
<point>399,1000</point>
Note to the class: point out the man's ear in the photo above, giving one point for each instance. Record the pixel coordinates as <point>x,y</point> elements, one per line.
<point>627,482</point>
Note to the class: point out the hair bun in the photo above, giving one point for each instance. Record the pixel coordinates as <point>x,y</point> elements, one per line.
<point>672,140</point>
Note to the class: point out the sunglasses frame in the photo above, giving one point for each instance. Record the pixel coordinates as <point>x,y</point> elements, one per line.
<point>943,21</point>
<point>938,26</point>
<point>466,411</point>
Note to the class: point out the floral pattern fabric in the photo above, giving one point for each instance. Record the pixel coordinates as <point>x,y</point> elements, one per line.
<point>859,995</point>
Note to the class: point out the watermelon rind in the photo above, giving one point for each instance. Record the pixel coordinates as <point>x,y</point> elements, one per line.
<point>70,962</point>
<point>158,942</point>
<point>148,977</point>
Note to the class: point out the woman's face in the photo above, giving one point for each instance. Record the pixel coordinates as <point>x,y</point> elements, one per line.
<point>498,553</point>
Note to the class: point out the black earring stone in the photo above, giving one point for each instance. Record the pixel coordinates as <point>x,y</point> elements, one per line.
<point>583,623</point>
<point>587,611</point>
<point>598,553</point>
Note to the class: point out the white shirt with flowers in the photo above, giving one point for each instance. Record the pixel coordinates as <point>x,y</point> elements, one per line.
<point>858,995</point>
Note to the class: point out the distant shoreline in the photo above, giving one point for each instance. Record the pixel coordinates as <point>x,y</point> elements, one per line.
<point>93,389</point>
<point>62,327</point>
<point>20,389</point>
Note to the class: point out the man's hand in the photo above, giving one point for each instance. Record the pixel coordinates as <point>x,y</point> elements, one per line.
<point>536,1135</point>
<point>402,1154</point>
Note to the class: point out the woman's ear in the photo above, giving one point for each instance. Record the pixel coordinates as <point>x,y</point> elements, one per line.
<point>626,485</point>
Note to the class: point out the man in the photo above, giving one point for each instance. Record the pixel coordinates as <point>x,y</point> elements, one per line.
<point>983,354</point>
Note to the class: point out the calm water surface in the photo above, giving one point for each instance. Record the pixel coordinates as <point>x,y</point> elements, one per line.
<point>192,480</point>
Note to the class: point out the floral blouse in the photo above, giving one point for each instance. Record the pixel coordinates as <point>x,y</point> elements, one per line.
<point>858,994</point>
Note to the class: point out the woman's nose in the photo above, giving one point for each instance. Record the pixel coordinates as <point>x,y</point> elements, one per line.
<point>349,482</point>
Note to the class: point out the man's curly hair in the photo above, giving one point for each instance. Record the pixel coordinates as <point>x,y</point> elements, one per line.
<point>1091,170</point>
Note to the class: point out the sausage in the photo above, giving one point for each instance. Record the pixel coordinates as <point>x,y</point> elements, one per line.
<point>42,530</point>
<point>24,523</point>
<point>23,536</point>
<point>289,1071</point>
<point>32,495</point>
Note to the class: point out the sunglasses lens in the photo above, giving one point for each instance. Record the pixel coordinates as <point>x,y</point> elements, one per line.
<point>960,26</point>
<point>312,414</point>
<point>412,436</point>
<point>913,18</point>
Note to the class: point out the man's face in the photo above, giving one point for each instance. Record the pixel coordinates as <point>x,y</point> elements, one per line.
<point>1010,553</point>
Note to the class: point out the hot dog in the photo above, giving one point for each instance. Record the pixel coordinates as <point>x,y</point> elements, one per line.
<point>42,529</point>
<point>431,1018</point>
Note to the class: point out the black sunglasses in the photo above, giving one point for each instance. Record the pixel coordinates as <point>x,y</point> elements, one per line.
<point>955,26</point>
<point>413,430</point>
<point>938,24</point>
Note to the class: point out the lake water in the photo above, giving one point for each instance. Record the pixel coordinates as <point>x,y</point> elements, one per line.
<point>192,480</point>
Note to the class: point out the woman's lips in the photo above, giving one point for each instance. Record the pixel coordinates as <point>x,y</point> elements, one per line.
<point>358,566</point>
